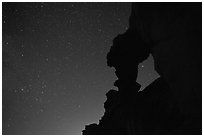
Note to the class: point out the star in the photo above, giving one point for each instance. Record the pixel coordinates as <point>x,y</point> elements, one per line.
<point>99,30</point>
<point>41,110</point>
<point>36,99</point>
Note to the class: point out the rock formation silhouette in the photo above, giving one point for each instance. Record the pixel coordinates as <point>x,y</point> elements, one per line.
<point>172,104</point>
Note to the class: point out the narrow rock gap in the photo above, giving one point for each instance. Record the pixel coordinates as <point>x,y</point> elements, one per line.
<point>146,72</point>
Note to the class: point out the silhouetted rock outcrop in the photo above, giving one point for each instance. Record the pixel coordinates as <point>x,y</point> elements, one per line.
<point>174,31</point>
<point>171,32</point>
<point>152,111</point>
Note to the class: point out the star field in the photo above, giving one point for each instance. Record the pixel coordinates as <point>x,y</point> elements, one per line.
<point>55,74</point>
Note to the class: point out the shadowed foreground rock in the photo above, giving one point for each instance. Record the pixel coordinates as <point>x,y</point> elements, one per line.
<point>152,111</point>
<point>127,111</point>
<point>172,104</point>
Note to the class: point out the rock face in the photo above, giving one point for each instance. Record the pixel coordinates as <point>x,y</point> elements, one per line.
<point>174,30</point>
<point>152,111</point>
<point>171,32</point>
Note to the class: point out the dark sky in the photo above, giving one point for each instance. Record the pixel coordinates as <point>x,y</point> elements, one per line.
<point>55,74</point>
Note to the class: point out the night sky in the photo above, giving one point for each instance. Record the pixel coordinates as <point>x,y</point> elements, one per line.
<point>55,74</point>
